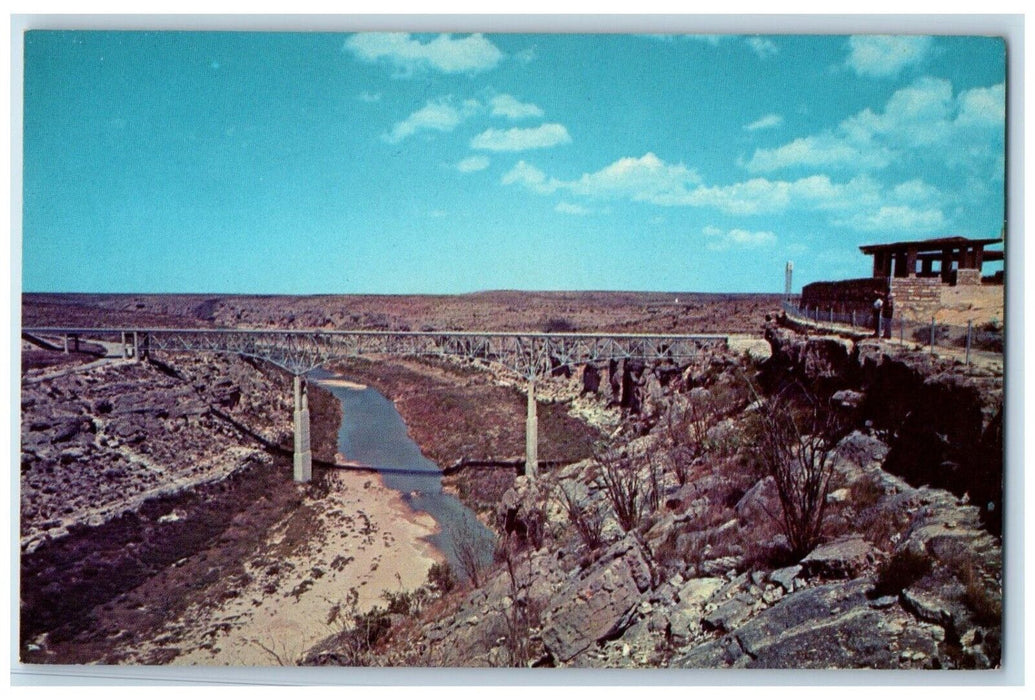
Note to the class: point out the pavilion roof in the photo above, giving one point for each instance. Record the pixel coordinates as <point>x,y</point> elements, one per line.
<point>930,244</point>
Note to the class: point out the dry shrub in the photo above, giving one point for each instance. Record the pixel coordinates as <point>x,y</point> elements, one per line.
<point>622,486</point>
<point>441,577</point>
<point>866,492</point>
<point>883,524</point>
<point>902,570</point>
<point>468,551</point>
<point>795,448</point>
<point>523,616</point>
<point>587,521</point>
<point>984,599</point>
<point>982,592</point>
<point>684,434</point>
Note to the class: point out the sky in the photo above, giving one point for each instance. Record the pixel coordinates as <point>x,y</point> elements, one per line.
<point>305,163</point>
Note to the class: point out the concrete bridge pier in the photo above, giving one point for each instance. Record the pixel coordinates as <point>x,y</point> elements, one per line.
<point>531,434</point>
<point>303,451</point>
<point>136,346</point>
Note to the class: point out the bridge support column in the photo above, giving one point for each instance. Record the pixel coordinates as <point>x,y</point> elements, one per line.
<point>303,452</point>
<point>136,346</point>
<point>531,434</point>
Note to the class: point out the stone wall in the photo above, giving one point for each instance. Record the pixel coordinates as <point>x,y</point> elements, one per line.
<point>968,277</point>
<point>916,297</point>
<point>913,298</point>
<point>845,296</point>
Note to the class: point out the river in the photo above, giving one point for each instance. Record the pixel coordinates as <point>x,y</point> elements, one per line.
<point>373,434</point>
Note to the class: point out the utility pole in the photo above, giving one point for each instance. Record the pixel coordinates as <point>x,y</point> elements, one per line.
<point>787,281</point>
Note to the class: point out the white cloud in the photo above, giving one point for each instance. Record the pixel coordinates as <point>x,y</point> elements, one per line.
<point>738,238</point>
<point>762,46</point>
<point>436,115</point>
<point>510,107</point>
<point>544,136</point>
<point>769,121</point>
<point>525,55</point>
<point>824,150</point>
<point>369,97</point>
<point>751,197</point>
<point>884,56</point>
<point>921,115</point>
<point>530,177</point>
<point>915,191</point>
<point>861,203</point>
<point>900,218</point>
<point>645,179</point>
<point>710,39</point>
<point>473,164</point>
<point>983,106</point>
<point>470,54</point>
<point>568,208</point>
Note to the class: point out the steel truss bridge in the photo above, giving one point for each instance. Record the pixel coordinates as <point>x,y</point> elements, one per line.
<point>530,355</point>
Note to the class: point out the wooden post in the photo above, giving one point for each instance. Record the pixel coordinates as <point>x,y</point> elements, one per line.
<point>911,261</point>
<point>969,324</point>
<point>932,335</point>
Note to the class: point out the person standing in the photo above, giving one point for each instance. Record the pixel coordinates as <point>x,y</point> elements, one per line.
<point>878,306</point>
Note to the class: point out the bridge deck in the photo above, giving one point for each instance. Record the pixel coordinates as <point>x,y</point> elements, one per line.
<point>530,354</point>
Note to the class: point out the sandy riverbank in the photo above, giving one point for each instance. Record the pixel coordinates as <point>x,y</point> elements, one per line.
<point>345,383</point>
<point>360,535</point>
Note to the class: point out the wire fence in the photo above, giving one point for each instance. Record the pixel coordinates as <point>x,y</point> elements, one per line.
<point>969,339</point>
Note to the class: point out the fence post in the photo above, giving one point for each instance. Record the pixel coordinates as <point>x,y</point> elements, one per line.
<point>969,323</point>
<point>932,335</point>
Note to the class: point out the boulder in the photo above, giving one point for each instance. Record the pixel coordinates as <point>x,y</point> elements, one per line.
<point>785,577</point>
<point>595,605</point>
<point>730,614</point>
<point>844,558</point>
<point>927,606</point>
<point>846,398</point>
<point>829,626</point>
<point>698,590</point>
<point>758,501</point>
<point>520,511</point>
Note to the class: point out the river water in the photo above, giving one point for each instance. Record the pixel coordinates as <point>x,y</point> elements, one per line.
<point>373,433</point>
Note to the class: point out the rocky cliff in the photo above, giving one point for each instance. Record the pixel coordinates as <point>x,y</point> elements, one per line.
<point>667,549</point>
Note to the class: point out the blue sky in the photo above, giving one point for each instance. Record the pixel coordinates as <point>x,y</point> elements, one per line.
<point>428,163</point>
